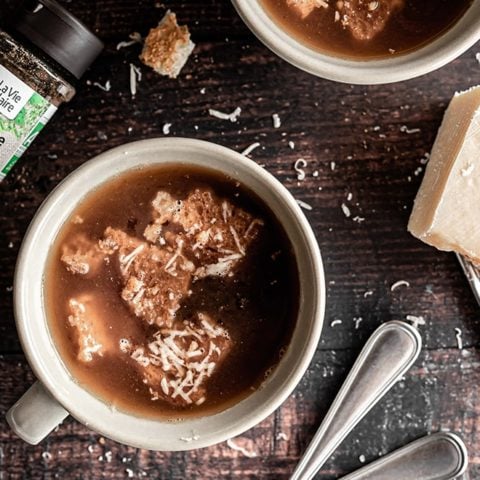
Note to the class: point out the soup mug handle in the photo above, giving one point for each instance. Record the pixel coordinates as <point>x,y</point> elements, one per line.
<point>35,414</point>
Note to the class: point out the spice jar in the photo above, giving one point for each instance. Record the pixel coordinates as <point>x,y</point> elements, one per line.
<point>44,52</point>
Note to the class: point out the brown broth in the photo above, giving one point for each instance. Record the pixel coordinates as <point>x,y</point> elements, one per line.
<point>418,23</point>
<point>258,306</point>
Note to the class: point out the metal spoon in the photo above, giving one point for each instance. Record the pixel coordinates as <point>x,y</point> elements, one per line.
<point>473,275</point>
<point>442,456</point>
<point>388,354</point>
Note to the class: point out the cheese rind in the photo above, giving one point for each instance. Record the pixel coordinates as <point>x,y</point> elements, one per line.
<point>446,213</point>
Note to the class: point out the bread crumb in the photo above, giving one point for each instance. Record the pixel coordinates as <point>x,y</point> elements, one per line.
<point>167,47</point>
<point>305,7</point>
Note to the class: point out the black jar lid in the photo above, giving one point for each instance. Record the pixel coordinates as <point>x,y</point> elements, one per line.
<point>59,34</point>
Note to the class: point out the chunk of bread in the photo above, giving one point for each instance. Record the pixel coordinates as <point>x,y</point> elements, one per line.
<point>365,18</point>
<point>178,362</point>
<point>305,7</point>
<point>91,335</point>
<point>167,47</point>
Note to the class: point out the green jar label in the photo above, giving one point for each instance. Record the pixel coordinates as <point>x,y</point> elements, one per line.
<point>23,114</point>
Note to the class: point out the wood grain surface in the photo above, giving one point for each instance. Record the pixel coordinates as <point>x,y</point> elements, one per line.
<point>365,141</point>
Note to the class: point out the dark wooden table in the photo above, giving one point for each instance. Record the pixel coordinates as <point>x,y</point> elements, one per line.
<point>365,141</point>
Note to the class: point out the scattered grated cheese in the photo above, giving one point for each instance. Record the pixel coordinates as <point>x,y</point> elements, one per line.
<point>477,56</point>
<point>135,77</point>
<point>346,211</point>
<point>400,283</point>
<point>125,345</point>
<point>281,436</point>
<point>358,219</point>
<point>47,456</point>
<point>358,321</point>
<point>304,205</point>
<point>127,260</point>
<point>291,145</point>
<point>277,123</point>
<point>181,366</point>
<point>468,170</point>
<point>349,196</point>
<point>458,335</point>
<point>135,37</point>
<point>416,320</point>
<point>336,322</point>
<point>298,166</point>
<point>424,160</point>
<point>106,88</point>
<point>251,148</point>
<point>368,293</point>
<point>409,131</point>
<point>232,117</point>
<point>190,438</point>
<point>234,233</point>
<point>362,459</point>
<point>166,128</point>
<point>332,166</point>
<point>242,450</point>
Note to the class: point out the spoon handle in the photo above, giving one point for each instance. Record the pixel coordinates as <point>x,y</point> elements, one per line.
<point>388,354</point>
<point>442,456</point>
<point>473,275</point>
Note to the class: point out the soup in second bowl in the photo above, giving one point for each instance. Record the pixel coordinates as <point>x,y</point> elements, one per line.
<point>366,29</point>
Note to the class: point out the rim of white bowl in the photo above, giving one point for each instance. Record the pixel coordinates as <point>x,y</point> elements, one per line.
<point>45,360</point>
<point>448,46</point>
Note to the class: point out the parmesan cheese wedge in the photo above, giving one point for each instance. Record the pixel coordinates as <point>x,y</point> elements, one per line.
<point>446,213</point>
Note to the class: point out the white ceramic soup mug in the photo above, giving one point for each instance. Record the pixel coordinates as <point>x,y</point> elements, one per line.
<point>448,46</point>
<point>56,394</point>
